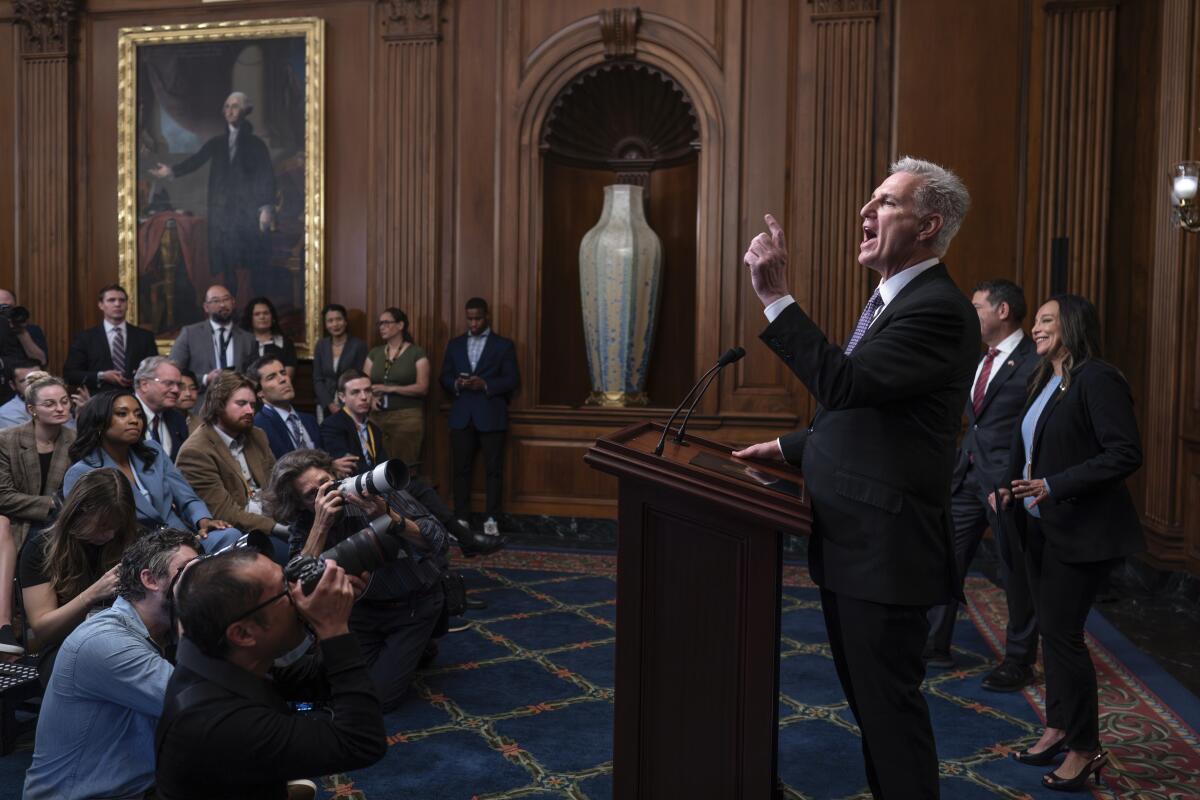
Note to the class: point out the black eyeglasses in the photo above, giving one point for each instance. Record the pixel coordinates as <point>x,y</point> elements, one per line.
<point>261,606</point>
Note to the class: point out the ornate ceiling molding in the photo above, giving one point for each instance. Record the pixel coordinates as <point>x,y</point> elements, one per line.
<point>824,10</point>
<point>412,19</point>
<point>47,26</point>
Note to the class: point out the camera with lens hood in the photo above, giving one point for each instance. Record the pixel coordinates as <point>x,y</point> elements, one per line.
<point>370,548</point>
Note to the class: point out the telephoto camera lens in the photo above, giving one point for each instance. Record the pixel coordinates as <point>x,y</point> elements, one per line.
<point>390,476</point>
<point>365,551</point>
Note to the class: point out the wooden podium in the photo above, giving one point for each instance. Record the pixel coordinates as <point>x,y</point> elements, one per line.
<point>699,577</point>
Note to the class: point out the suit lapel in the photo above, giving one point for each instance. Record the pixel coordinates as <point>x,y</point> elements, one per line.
<point>902,299</point>
<point>1042,419</point>
<point>1010,366</point>
<point>60,460</point>
<point>219,447</point>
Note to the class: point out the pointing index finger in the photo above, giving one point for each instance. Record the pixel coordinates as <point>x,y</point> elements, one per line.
<point>776,231</point>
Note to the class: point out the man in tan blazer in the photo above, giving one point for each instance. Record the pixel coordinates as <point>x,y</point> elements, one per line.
<point>228,461</point>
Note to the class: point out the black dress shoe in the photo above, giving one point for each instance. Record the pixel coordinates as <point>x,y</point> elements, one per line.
<point>1043,758</point>
<point>939,659</point>
<point>477,544</point>
<point>476,605</point>
<point>1008,676</point>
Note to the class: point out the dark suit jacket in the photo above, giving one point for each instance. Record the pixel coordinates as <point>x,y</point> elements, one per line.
<point>89,354</point>
<point>487,411</point>
<point>1085,445</point>
<point>989,435</point>
<point>878,456</point>
<point>325,377</point>
<point>339,437</point>
<point>279,435</point>
<point>177,427</point>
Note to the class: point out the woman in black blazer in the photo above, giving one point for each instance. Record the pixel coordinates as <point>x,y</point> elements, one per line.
<point>1077,443</point>
<point>336,352</point>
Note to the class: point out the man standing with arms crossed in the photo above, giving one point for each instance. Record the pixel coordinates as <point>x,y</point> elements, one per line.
<point>878,455</point>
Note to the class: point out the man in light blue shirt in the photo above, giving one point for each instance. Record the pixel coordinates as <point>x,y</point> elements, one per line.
<point>95,732</point>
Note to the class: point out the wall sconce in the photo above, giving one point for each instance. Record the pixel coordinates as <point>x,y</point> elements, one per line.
<point>1185,181</point>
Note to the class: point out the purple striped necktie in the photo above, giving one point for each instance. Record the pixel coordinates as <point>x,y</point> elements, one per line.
<point>864,320</point>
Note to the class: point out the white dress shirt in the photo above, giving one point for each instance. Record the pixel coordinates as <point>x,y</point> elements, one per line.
<point>164,435</point>
<point>216,334</point>
<point>1006,349</point>
<point>888,289</point>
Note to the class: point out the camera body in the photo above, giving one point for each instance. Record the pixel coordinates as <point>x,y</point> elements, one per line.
<point>370,548</point>
<point>365,551</point>
<point>17,316</point>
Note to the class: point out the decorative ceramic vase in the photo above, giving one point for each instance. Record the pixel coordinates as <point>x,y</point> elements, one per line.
<point>620,271</point>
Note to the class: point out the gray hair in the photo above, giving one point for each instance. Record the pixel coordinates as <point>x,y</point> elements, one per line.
<point>154,552</point>
<point>149,366</point>
<point>941,192</point>
<point>247,106</point>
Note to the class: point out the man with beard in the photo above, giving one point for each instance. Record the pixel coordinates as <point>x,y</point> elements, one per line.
<point>241,197</point>
<point>215,344</point>
<point>228,461</point>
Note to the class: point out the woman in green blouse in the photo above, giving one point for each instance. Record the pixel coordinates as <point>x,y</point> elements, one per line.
<point>399,372</point>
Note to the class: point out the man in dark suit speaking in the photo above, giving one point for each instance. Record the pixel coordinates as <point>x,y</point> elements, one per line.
<point>878,455</point>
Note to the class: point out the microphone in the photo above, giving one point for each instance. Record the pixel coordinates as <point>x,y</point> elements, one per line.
<point>731,355</point>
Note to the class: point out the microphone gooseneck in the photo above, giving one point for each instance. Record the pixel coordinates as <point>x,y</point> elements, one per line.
<point>730,355</point>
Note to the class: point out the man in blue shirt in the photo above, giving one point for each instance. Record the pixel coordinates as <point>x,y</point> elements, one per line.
<point>95,732</point>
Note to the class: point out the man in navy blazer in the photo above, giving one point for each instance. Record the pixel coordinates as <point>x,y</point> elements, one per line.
<point>993,410</point>
<point>92,359</point>
<point>878,456</point>
<point>287,429</point>
<point>156,385</point>
<point>479,371</point>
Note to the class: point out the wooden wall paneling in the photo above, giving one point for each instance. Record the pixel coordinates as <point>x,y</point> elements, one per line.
<point>838,157</point>
<point>760,382</point>
<point>45,145</point>
<point>960,104</point>
<point>10,240</point>
<point>1076,157</point>
<point>411,149</point>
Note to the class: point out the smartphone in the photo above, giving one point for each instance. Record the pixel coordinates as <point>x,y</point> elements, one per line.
<point>464,374</point>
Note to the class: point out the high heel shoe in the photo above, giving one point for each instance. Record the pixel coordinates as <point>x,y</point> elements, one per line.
<point>1093,767</point>
<point>1043,758</point>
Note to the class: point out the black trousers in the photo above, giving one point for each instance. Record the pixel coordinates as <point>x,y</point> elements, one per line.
<point>464,444</point>
<point>971,516</point>
<point>393,638</point>
<point>877,652</point>
<point>1063,594</point>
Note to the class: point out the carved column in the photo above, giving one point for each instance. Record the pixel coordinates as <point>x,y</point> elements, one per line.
<point>1077,120</point>
<point>1162,502</point>
<point>45,159</point>
<point>409,193</point>
<point>843,156</point>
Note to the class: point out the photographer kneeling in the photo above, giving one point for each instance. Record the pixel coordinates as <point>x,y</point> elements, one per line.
<point>225,730</point>
<point>401,611</point>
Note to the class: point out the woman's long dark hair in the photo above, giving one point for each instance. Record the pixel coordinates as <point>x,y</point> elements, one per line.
<point>100,500</point>
<point>400,316</point>
<point>95,418</point>
<point>1079,329</point>
<point>247,322</point>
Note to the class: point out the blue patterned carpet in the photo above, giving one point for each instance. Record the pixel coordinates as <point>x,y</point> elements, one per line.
<point>520,704</point>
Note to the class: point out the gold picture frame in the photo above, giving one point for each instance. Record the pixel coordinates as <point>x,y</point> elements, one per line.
<point>172,244</point>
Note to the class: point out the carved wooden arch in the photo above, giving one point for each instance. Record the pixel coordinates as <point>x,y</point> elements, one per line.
<point>677,52</point>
